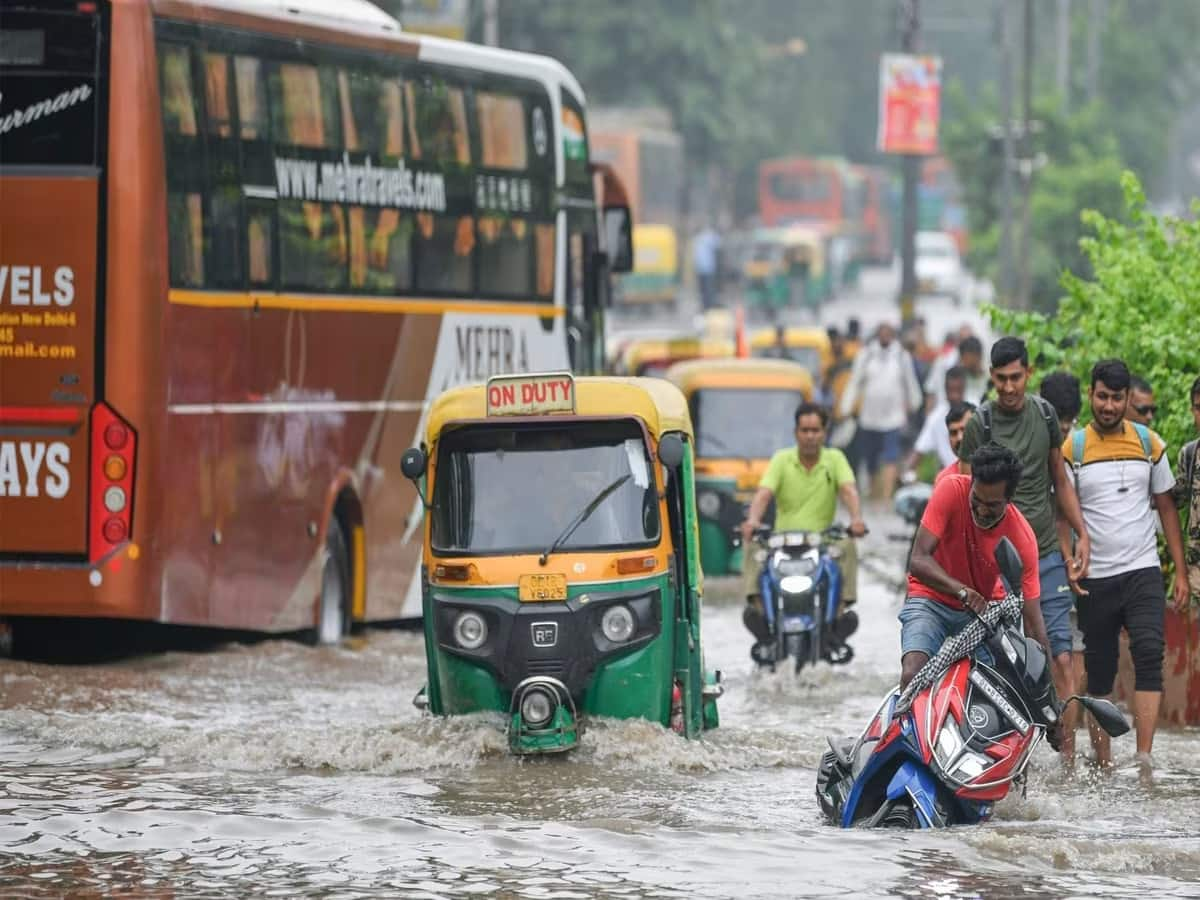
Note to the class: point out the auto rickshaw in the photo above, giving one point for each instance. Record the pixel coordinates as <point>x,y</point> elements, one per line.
<point>561,576</point>
<point>808,346</point>
<point>653,357</point>
<point>788,267</point>
<point>654,281</point>
<point>744,411</point>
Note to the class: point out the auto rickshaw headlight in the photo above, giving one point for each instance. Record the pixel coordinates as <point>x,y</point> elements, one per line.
<point>537,707</point>
<point>617,623</point>
<point>470,630</point>
<point>709,504</point>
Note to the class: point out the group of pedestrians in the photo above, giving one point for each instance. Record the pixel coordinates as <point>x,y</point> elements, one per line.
<point>1083,507</point>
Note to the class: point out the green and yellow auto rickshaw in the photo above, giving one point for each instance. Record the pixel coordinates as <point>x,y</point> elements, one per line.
<point>744,411</point>
<point>561,575</point>
<point>654,281</point>
<point>810,347</point>
<point>787,267</point>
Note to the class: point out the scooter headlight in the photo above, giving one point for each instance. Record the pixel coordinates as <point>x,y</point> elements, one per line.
<point>709,504</point>
<point>795,584</point>
<point>955,758</point>
<point>537,707</point>
<point>617,623</point>
<point>470,630</point>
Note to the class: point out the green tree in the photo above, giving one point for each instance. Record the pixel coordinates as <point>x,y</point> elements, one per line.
<point>1140,304</point>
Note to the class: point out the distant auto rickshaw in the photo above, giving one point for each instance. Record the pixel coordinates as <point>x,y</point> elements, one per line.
<point>654,356</point>
<point>561,575</point>
<point>654,281</point>
<point>788,267</point>
<point>808,346</point>
<point>744,411</point>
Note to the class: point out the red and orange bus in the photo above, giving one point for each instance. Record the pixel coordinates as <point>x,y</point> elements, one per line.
<point>242,247</point>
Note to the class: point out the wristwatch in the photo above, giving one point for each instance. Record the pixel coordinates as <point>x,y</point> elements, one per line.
<point>962,596</point>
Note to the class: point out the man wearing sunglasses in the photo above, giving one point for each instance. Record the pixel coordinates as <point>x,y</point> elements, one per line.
<point>953,573</point>
<point>1141,407</point>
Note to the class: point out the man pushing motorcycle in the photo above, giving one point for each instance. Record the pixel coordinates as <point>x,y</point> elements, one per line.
<point>805,482</point>
<point>953,574</point>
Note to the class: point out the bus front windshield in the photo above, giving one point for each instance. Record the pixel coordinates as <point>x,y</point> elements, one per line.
<point>518,489</point>
<point>737,423</point>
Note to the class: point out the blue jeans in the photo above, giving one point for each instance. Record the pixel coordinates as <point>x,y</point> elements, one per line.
<point>925,624</point>
<point>1056,601</point>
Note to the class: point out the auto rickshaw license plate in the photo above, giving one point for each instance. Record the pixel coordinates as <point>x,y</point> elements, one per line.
<point>541,588</point>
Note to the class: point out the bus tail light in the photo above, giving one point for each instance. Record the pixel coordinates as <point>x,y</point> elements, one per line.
<point>112,459</point>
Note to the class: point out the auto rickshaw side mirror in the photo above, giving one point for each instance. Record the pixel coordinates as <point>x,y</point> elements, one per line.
<point>670,450</point>
<point>413,463</point>
<point>412,466</point>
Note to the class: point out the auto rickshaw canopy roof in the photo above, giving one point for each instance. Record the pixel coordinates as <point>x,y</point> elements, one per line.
<point>639,353</point>
<point>655,401</point>
<point>794,337</point>
<point>696,374</point>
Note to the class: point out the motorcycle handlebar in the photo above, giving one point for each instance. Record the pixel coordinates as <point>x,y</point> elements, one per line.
<point>835,532</point>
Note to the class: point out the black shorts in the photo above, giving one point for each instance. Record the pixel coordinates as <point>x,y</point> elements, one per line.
<point>1137,601</point>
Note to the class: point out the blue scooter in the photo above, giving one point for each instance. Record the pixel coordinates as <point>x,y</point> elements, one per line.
<point>800,584</point>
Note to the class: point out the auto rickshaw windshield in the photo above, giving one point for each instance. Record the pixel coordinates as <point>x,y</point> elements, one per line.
<point>809,357</point>
<point>517,488</point>
<point>744,423</point>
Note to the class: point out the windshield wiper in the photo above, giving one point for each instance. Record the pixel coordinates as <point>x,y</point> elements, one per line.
<point>582,517</point>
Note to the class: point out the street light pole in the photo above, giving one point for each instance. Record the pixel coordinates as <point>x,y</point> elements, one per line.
<point>1009,162</point>
<point>910,23</point>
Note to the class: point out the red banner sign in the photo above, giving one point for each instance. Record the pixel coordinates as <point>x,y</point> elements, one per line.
<point>910,94</point>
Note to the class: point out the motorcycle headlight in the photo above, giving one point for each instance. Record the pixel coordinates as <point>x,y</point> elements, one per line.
<point>709,504</point>
<point>470,630</point>
<point>955,757</point>
<point>795,584</point>
<point>617,623</point>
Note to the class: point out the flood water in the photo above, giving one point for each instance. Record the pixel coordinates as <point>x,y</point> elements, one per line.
<point>274,769</point>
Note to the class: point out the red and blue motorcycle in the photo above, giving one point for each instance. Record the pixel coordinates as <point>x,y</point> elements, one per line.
<point>960,735</point>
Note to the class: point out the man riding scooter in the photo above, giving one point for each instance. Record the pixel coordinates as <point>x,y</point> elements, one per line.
<point>805,482</point>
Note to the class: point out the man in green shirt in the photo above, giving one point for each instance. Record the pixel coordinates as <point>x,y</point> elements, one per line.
<point>1028,425</point>
<point>805,482</point>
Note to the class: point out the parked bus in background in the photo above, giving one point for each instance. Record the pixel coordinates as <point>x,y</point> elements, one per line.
<point>647,155</point>
<point>824,192</point>
<point>878,221</point>
<point>940,205</point>
<point>241,249</point>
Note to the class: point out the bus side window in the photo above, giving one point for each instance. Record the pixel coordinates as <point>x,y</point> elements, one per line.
<point>501,120</point>
<point>505,256</point>
<point>251,99</point>
<point>304,105</point>
<point>438,116</point>
<point>445,251</point>
<point>185,166</point>
<point>217,107</point>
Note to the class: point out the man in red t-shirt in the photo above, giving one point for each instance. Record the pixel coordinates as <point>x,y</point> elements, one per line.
<point>953,568</point>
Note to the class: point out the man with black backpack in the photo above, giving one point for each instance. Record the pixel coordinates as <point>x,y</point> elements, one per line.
<point>1028,425</point>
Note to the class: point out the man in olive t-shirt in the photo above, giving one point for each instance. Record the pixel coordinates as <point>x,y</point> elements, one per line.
<point>1028,426</point>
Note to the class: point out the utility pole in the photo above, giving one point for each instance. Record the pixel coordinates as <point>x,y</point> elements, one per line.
<point>491,22</point>
<point>1062,56</point>
<point>1009,162</point>
<point>1096,21</point>
<point>910,23</point>
<point>1023,276</point>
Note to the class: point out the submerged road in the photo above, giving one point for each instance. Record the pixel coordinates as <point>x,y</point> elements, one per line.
<point>276,770</point>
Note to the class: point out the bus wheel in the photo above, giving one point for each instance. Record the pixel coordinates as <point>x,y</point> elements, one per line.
<point>332,615</point>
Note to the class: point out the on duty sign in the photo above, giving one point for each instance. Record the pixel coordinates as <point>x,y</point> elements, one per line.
<point>531,395</point>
